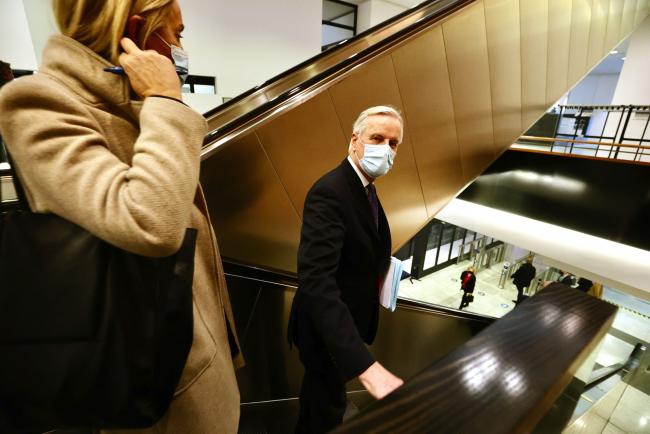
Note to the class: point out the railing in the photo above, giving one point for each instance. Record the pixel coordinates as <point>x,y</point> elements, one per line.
<point>505,379</point>
<point>617,151</point>
<point>602,131</point>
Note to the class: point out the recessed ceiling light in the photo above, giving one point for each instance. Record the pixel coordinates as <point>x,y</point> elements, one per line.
<point>613,52</point>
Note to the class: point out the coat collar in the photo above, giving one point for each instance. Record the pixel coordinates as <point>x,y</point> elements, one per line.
<point>82,70</point>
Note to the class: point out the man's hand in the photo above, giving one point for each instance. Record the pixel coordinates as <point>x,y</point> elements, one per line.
<point>378,381</point>
<point>149,73</point>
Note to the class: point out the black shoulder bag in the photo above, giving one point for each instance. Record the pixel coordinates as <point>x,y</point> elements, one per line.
<point>90,335</point>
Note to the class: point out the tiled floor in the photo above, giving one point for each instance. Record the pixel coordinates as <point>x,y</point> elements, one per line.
<point>443,288</point>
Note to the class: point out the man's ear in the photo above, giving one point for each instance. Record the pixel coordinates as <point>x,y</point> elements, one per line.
<point>134,29</point>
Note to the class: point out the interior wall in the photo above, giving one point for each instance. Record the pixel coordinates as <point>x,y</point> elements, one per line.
<point>242,43</point>
<point>373,12</point>
<point>594,89</point>
<point>17,48</point>
<point>634,86</point>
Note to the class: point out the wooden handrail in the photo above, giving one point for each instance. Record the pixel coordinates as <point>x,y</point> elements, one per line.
<point>588,142</point>
<point>503,380</point>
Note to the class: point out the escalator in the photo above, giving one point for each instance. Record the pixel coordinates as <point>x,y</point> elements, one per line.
<point>469,77</point>
<point>408,340</point>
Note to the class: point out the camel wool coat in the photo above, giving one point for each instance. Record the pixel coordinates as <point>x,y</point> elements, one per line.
<point>127,171</point>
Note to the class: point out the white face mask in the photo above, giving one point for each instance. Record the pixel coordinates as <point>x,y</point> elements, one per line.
<point>181,60</point>
<point>377,159</point>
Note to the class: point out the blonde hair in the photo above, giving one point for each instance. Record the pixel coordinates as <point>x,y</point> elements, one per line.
<point>100,24</point>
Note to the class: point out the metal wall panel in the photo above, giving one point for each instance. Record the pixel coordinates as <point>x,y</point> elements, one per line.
<point>612,36</point>
<point>579,44</point>
<point>423,78</point>
<point>627,22</point>
<point>504,54</point>
<point>534,30</point>
<point>641,11</point>
<point>399,191</point>
<point>467,59</point>
<point>304,144</point>
<point>252,216</point>
<point>597,31</point>
<point>559,33</point>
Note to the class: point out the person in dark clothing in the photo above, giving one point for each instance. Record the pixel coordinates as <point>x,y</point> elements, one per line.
<point>343,256</point>
<point>522,278</point>
<point>566,278</point>
<point>584,284</point>
<point>467,282</point>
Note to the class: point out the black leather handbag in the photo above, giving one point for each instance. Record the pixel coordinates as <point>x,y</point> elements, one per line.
<point>90,335</point>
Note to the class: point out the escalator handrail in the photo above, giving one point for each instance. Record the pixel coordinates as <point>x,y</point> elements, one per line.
<point>505,378</point>
<point>445,8</point>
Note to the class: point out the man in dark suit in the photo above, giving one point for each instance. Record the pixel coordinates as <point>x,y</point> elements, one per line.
<point>342,260</point>
<point>522,278</point>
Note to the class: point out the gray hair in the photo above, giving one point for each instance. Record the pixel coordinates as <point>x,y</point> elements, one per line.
<point>384,110</point>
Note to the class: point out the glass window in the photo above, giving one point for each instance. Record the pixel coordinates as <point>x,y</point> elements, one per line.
<point>445,243</point>
<point>458,240</point>
<point>432,245</point>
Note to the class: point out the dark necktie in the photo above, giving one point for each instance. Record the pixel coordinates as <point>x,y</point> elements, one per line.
<point>374,203</point>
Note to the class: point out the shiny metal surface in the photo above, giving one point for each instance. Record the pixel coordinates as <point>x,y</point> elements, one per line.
<point>467,85</point>
<point>250,209</point>
<point>534,51</point>
<point>421,70</point>
<point>597,30</point>
<point>579,43</point>
<point>557,63</point>
<point>469,72</point>
<point>504,50</point>
<point>408,340</point>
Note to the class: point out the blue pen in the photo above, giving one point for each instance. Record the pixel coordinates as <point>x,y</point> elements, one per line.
<point>120,71</point>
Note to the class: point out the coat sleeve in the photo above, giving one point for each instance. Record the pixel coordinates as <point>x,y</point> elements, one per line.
<point>322,237</point>
<point>66,168</point>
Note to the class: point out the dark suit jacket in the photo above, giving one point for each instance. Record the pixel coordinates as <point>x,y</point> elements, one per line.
<point>341,260</point>
<point>524,274</point>
<point>471,281</point>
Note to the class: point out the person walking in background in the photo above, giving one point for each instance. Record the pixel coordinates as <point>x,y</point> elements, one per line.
<point>584,284</point>
<point>118,153</point>
<point>522,278</point>
<point>566,278</point>
<point>467,283</point>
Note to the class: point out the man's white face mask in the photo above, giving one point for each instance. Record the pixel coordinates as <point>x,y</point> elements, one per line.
<point>377,159</point>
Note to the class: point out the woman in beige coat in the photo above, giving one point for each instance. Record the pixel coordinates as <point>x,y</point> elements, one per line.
<point>119,156</point>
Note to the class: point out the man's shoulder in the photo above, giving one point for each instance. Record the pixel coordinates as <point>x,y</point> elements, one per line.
<point>331,182</point>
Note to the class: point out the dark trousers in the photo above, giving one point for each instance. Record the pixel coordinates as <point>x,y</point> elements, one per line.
<point>465,301</point>
<point>322,401</point>
<point>520,293</point>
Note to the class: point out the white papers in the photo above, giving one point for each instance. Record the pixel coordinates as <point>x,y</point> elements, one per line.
<point>388,294</point>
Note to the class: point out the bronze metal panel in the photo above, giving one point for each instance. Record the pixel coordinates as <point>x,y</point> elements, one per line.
<point>612,36</point>
<point>503,37</point>
<point>627,22</point>
<point>400,191</point>
<point>304,144</point>
<point>253,218</point>
<point>597,31</point>
<point>641,11</point>
<point>579,45</point>
<point>467,59</point>
<point>534,30</point>
<point>421,69</point>
<point>559,32</point>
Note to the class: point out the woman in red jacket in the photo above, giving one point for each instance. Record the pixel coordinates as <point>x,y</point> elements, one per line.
<point>467,282</point>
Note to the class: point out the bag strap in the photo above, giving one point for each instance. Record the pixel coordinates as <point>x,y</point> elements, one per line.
<point>18,186</point>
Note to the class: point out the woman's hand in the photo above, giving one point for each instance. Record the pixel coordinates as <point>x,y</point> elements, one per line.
<point>150,73</point>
